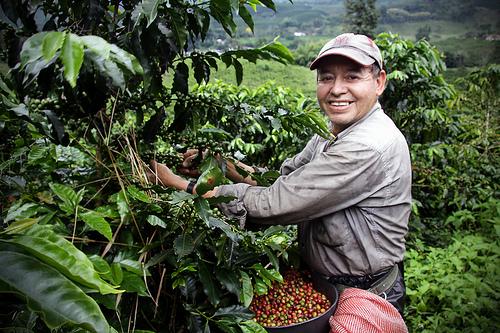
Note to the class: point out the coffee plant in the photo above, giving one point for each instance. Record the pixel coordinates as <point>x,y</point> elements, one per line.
<point>95,90</point>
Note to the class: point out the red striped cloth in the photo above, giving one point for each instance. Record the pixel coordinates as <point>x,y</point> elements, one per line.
<point>360,311</point>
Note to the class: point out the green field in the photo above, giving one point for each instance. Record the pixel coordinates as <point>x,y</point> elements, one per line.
<point>294,77</point>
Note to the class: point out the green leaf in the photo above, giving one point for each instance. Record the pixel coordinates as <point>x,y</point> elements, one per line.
<point>61,254</point>
<point>251,326</point>
<point>260,287</point>
<point>225,227</point>
<point>138,194</point>
<point>72,57</point>
<point>181,77</point>
<point>179,28</point>
<point>269,274</point>
<point>246,295</point>
<point>133,266</point>
<point>229,279</point>
<point>150,9</point>
<point>21,211</point>
<point>183,245</point>
<point>49,293</point>
<point>97,45</point>
<point>96,222</point>
<point>134,283</point>
<point>269,4</point>
<point>238,70</point>
<point>70,198</point>
<point>235,313</point>
<point>32,49</point>
<point>246,16</point>
<point>125,59</point>
<point>121,202</point>
<point>202,208</point>
<point>19,226</point>
<point>156,221</point>
<point>210,178</point>
<point>116,273</point>
<point>279,50</point>
<point>208,283</point>
<point>52,42</point>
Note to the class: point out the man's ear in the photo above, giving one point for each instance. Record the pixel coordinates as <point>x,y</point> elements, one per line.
<point>381,81</point>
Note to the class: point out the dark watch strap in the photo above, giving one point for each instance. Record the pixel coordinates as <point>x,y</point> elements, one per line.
<point>190,187</point>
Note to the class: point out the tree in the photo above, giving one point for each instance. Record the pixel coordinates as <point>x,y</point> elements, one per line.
<point>361,17</point>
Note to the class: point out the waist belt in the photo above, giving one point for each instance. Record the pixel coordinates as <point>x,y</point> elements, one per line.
<point>378,283</point>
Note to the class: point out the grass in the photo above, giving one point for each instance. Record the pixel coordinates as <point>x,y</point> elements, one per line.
<point>292,76</point>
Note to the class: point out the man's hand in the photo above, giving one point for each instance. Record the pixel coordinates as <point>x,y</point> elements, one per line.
<point>188,168</point>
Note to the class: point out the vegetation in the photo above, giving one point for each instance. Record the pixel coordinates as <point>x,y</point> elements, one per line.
<point>360,17</point>
<point>89,245</point>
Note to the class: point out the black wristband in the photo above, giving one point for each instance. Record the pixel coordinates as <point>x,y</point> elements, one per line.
<point>190,187</point>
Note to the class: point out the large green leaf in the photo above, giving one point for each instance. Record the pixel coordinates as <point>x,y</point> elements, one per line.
<point>47,292</point>
<point>225,227</point>
<point>138,194</point>
<point>61,254</point>
<point>209,286</point>
<point>72,57</point>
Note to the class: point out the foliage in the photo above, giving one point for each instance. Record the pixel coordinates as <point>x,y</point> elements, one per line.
<point>416,92</point>
<point>360,17</point>
<point>95,88</point>
<point>456,175</point>
<point>265,118</point>
<point>454,289</point>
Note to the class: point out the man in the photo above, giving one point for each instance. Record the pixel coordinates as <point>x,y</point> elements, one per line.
<point>350,195</point>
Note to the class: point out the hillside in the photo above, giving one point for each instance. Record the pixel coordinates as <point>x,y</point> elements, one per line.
<point>468,32</point>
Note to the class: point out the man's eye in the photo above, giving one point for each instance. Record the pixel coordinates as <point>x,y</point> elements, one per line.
<point>326,79</point>
<point>352,77</point>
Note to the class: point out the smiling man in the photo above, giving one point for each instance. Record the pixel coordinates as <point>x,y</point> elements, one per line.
<point>350,195</point>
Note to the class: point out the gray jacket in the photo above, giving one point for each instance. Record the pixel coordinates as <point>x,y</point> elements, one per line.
<point>351,198</point>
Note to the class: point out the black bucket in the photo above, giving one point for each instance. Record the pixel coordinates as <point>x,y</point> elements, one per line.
<point>320,323</point>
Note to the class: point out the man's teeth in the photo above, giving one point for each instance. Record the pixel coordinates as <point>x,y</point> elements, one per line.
<point>339,103</point>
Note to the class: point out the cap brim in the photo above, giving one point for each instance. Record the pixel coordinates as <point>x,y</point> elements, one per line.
<point>350,53</point>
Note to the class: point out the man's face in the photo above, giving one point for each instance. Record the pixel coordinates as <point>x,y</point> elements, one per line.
<point>346,90</point>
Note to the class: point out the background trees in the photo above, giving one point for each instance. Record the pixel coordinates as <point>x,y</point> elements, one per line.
<point>360,16</point>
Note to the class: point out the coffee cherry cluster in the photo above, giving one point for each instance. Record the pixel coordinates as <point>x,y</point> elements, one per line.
<point>291,302</point>
<point>38,104</point>
<point>170,158</point>
<point>202,140</point>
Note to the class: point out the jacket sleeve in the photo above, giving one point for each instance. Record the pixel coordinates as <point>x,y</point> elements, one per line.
<point>332,181</point>
<point>306,155</point>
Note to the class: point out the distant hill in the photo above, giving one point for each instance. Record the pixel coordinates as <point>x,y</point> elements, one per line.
<point>467,31</point>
